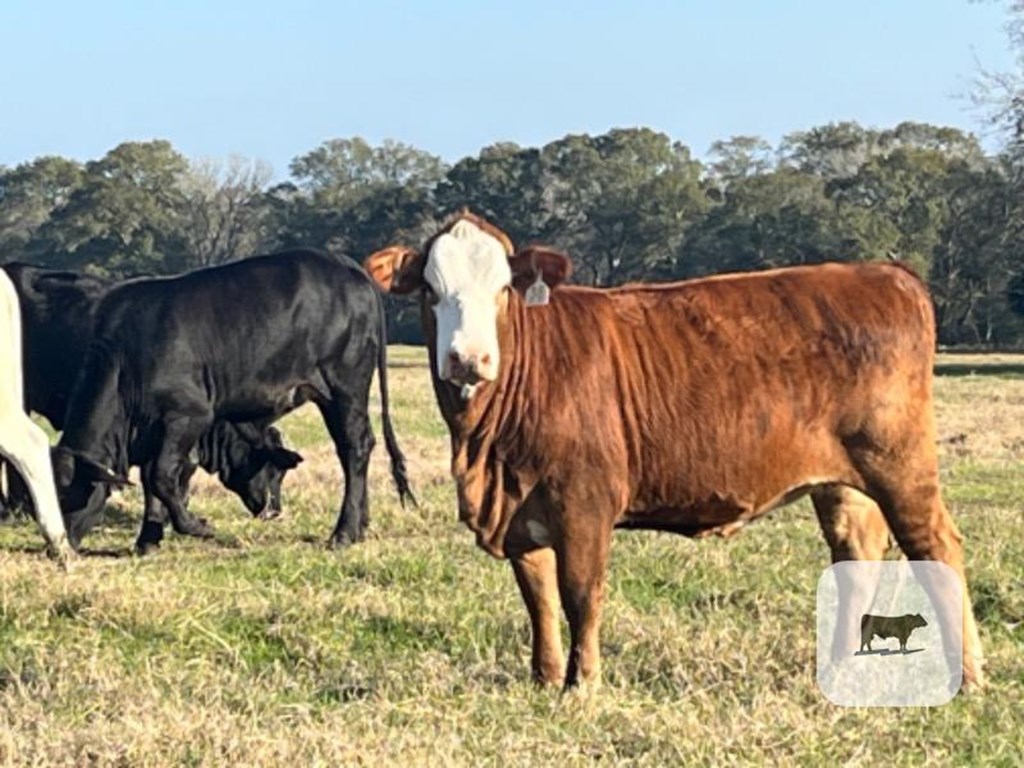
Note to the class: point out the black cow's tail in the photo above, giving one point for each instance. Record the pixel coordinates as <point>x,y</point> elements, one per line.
<point>398,471</point>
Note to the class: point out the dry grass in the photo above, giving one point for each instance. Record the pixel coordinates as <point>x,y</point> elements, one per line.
<point>265,649</point>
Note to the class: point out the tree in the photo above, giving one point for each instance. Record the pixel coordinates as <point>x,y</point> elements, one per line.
<point>1000,95</point>
<point>505,183</point>
<point>972,275</point>
<point>833,151</point>
<point>125,217</point>
<point>764,220</point>
<point>345,188</point>
<point>225,211</point>
<point>739,158</point>
<point>29,193</point>
<point>895,203</point>
<point>622,202</point>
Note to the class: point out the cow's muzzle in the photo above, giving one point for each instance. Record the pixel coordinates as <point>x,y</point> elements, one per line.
<point>467,370</point>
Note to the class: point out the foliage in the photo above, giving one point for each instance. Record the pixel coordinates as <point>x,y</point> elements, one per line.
<point>628,205</point>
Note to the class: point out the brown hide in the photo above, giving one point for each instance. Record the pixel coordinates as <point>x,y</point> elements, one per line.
<point>693,405</point>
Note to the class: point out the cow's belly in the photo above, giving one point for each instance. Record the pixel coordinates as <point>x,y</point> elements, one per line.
<point>254,404</point>
<point>719,513</point>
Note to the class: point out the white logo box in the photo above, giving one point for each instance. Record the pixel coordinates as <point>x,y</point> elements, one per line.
<point>928,672</point>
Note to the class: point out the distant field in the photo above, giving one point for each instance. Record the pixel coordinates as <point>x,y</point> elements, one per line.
<point>263,648</point>
<point>996,363</point>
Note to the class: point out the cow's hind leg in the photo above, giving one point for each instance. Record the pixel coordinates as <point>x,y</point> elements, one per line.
<point>855,529</point>
<point>852,523</point>
<point>908,494</point>
<point>537,575</point>
<point>180,435</point>
<point>348,422</point>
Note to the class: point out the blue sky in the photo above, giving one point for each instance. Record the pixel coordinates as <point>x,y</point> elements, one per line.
<point>271,80</point>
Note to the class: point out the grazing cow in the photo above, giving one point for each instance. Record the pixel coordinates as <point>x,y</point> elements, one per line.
<point>57,313</point>
<point>885,627</point>
<point>254,471</point>
<point>689,407</point>
<point>243,342</point>
<point>23,443</point>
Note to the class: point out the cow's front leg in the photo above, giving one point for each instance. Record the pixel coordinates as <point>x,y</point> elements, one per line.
<point>582,555</point>
<point>180,434</point>
<point>537,575</point>
<point>154,518</point>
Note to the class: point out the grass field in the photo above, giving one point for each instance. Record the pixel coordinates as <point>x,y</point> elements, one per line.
<point>263,648</point>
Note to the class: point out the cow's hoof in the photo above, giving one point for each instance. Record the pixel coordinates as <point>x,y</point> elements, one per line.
<point>972,684</point>
<point>200,529</point>
<point>339,542</point>
<point>143,548</point>
<point>551,678</point>
<point>63,554</point>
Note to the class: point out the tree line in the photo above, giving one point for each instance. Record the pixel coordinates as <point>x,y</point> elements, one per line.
<point>628,205</point>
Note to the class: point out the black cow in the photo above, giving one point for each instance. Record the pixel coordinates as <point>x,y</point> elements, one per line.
<point>244,342</point>
<point>885,627</point>
<point>57,314</point>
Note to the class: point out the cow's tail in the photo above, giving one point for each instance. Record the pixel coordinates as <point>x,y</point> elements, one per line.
<point>398,471</point>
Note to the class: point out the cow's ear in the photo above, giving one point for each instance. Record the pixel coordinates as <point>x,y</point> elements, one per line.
<point>396,269</point>
<point>272,436</point>
<point>554,266</point>
<point>285,459</point>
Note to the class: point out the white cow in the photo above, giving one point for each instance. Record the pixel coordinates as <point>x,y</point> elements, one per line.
<point>22,442</point>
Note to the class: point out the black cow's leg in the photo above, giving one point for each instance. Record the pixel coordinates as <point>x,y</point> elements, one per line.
<point>154,519</point>
<point>348,422</point>
<point>154,516</point>
<point>180,434</point>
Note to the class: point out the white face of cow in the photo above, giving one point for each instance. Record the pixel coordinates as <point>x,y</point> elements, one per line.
<point>467,268</point>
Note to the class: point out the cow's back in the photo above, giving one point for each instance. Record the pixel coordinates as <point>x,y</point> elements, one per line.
<point>238,330</point>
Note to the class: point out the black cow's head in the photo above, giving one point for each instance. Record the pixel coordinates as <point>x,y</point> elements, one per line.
<point>83,486</point>
<point>255,473</point>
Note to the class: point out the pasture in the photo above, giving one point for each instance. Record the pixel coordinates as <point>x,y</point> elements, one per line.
<point>264,648</point>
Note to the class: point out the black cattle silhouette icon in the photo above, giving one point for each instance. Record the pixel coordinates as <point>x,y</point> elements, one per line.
<point>885,627</point>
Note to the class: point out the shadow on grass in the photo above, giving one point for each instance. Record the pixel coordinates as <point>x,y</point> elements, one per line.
<point>889,652</point>
<point>85,552</point>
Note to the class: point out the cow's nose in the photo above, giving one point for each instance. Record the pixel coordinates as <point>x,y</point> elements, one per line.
<point>466,369</point>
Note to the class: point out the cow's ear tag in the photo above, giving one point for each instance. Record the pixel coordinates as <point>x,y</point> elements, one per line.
<point>538,294</point>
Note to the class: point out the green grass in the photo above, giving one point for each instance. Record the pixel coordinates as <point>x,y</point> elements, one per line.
<point>264,648</point>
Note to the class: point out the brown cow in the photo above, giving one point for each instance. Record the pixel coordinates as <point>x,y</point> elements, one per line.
<point>688,407</point>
